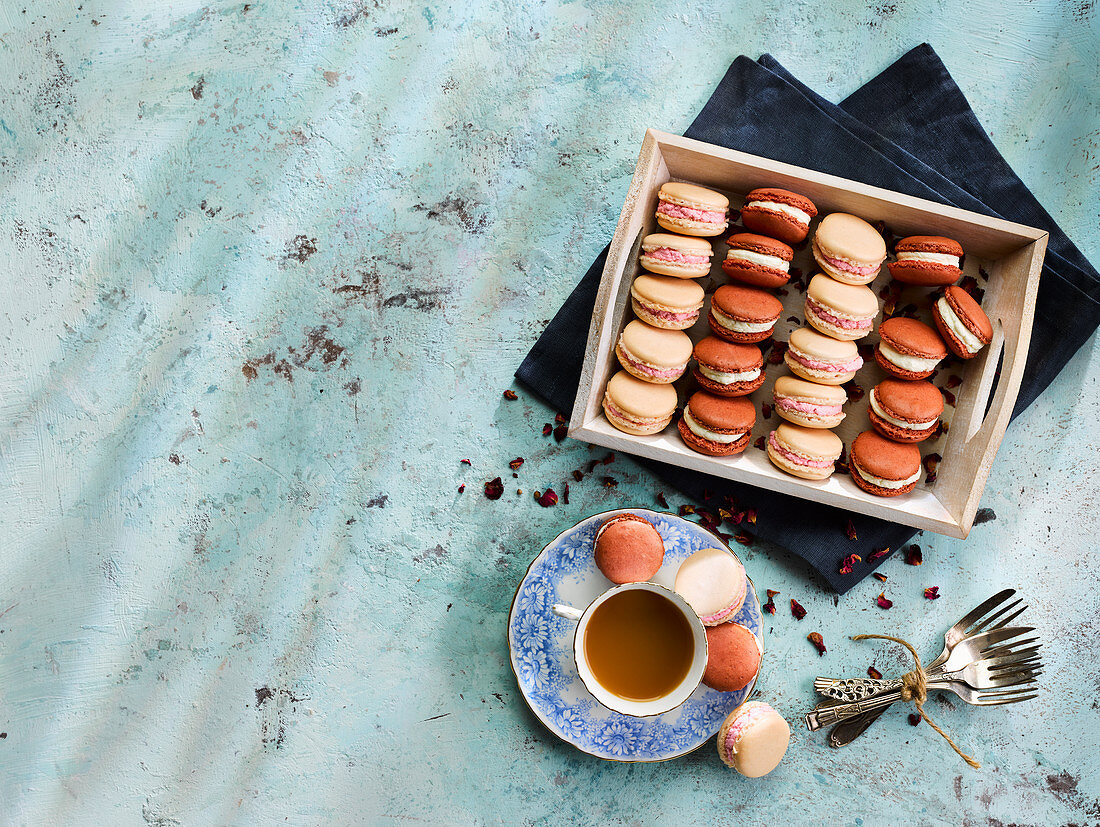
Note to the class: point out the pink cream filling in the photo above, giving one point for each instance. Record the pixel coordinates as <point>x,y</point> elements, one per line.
<point>847,324</point>
<point>668,314</point>
<point>719,616</point>
<point>668,254</point>
<point>663,373</point>
<point>788,404</point>
<point>848,267</point>
<point>691,213</point>
<point>741,723</point>
<point>631,419</point>
<point>817,364</point>
<point>795,458</point>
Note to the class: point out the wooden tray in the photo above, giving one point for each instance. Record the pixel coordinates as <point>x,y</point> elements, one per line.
<point>1005,258</point>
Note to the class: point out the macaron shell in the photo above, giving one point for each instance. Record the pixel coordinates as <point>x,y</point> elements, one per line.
<point>798,390</point>
<point>629,549</point>
<point>929,244</point>
<point>733,657</point>
<point>692,195</point>
<point>762,746</point>
<point>847,237</point>
<point>877,490</point>
<point>653,295</point>
<point>712,581</point>
<point>913,402</point>
<point>909,337</point>
<point>883,458</point>
<point>773,223</point>
<point>717,354</point>
<point>923,273</point>
<point>743,388</point>
<point>648,407</point>
<point>851,300</point>
<point>664,348</point>
<point>683,244</point>
<point>722,414</point>
<point>970,314</point>
<point>747,304</point>
<point>710,447</point>
<point>896,433</point>
<point>754,273</point>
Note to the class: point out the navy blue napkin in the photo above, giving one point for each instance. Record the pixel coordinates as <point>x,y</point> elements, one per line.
<point>910,129</point>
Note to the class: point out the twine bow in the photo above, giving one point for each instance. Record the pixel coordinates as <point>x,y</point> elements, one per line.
<point>914,687</point>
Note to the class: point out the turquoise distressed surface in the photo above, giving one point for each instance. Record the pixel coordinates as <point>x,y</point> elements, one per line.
<point>269,267</point>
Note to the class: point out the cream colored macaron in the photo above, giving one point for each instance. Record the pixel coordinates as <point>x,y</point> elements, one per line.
<point>691,210</point>
<point>843,311</point>
<point>676,255</point>
<point>808,403</point>
<point>666,301</point>
<point>809,453</point>
<point>848,248</point>
<point>820,358</point>
<point>637,407</point>
<point>753,739</point>
<point>653,354</point>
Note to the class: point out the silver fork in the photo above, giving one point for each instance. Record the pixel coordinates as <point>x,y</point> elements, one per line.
<point>974,622</point>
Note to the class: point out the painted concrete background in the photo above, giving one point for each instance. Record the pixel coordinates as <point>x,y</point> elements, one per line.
<point>267,269</point>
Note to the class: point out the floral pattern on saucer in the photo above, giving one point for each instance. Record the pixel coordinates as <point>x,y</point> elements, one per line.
<point>541,647</point>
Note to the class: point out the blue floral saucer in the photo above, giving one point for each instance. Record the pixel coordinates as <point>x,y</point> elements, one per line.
<point>541,646</point>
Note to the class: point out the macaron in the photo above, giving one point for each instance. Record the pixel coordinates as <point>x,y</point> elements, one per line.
<point>743,314</point>
<point>905,411</point>
<point>728,368</point>
<point>713,583</point>
<point>753,739</point>
<point>676,255</point>
<point>883,467</point>
<point>628,549</point>
<point>653,354</point>
<point>691,210</point>
<point>779,213</point>
<point>843,311</point>
<point>637,407</point>
<point>717,425</point>
<point>908,349</point>
<point>848,248</point>
<point>808,453</point>
<point>927,260</point>
<point>733,657</point>
<point>666,301</point>
<point>965,327</point>
<point>757,260</point>
<point>820,358</point>
<point>808,403</point>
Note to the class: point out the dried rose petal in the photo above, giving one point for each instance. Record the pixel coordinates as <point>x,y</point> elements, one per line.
<point>686,509</point>
<point>750,516</point>
<point>914,719</point>
<point>782,291</point>
<point>793,320</point>
<point>866,352</point>
<point>882,602</point>
<point>661,501</point>
<point>465,462</point>
<point>592,463</point>
<point>818,641</point>
<point>842,460</point>
<point>766,410</point>
<point>610,458</point>
<point>546,498</point>
<point>969,284</point>
<point>565,494</point>
<point>913,555</point>
<point>461,488</point>
<point>878,554</point>
<point>759,443</point>
<point>769,607</point>
<point>932,593</point>
<point>931,463</point>
<point>874,674</point>
<point>847,565</point>
<point>850,530</point>
<point>953,381</point>
<point>609,482</point>
<point>510,395</point>
<point>494,488</point>
<point>560,432</point>
<point>855,392</point>
<point>776,356</point>
<point>578,475</point>
<point>559,419</point>
<point>878,575</point>
<point>547,429</point>
<point>744,538</point>
<point>909,311</point>
<point>984,515</point>
<point>707,494</point>
<point>516,464</point>
<point>797,610</point>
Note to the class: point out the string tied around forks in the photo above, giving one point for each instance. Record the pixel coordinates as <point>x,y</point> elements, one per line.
<point>914,688</point>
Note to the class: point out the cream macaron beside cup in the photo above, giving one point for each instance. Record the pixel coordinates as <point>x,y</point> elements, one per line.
<point>653,354</point>
<point>753,739</point>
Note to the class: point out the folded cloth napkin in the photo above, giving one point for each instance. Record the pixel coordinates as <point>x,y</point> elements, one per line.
<point>910,129</point>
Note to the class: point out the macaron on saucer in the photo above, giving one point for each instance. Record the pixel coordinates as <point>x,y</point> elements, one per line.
<point>757,260</point>
<point>908,349</point>
<point>962,323</point>
<point>743,314</point>
<point>653,354</point>
<point>628,549</point>
<point>848,248</point>
<point>540,646</point>
<point>733,657</point>
<point>682,256</point>
<point>820,358</point>
<point>718,426</point>
<point>843,311</point>
<point>883,467</point>
<point>807,403</point>
<point>691,210</point>
<point>666,301</point>
<point>927,260</point>
<point>778,213</point>
<point>727,368</point>
<point>637,407</point>
<point>753,739</point>
<point>905,411</point>
<point>713,583</point>
<point>809,453</point>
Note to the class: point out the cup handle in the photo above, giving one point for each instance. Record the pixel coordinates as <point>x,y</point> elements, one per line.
<point>568,612</point>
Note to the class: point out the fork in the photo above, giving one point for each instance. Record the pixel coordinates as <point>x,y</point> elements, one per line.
<point>970,624</point>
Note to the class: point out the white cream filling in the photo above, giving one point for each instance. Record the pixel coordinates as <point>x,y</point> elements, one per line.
<point>881,483</point>
<point>728,378</point>
<point>912,426</point>
<point>706,433</point>
<point>739,326</point>
<point>931,258</point>
<point>961,332</point>
<point>775,262</point>
<point>801,216</point>
<point>917,364</point>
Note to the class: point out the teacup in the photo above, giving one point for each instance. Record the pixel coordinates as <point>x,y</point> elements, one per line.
<point>693,656</point>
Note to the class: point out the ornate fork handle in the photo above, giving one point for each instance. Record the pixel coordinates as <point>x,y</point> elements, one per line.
<point>826,715</point>
<point>854,689</point>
